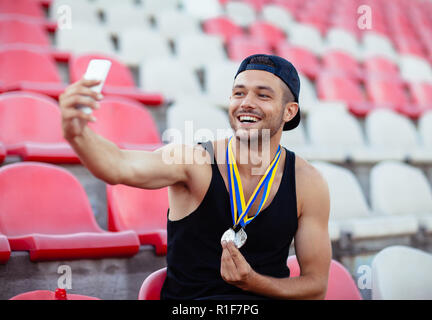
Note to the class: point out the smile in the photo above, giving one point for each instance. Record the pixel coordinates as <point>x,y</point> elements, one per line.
<point>248,118</point>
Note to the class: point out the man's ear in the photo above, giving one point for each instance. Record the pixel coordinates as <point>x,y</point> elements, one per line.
<point>291,109</point>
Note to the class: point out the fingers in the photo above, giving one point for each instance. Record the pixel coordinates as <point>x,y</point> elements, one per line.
<point>228,267</point>
<point>72,101</point>
<point>69,114</point>
<point>236,255</point>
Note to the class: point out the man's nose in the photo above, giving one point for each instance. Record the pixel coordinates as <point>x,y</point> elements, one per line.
<point>248,102</point>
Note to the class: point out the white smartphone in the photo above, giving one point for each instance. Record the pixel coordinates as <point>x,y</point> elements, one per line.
<point>97,69</point>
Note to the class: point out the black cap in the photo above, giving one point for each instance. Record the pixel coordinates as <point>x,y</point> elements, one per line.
<point>282,69</point>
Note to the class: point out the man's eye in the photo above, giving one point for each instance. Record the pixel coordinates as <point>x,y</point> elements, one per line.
<point>238,94</point>
<point>263,96</point>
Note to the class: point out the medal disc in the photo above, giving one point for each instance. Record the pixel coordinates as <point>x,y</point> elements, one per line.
<point>240,238</point>
<point>228,235</point>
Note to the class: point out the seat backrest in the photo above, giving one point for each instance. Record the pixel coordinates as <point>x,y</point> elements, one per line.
<point>294,138</point>
<point>137,209</point>
<point>219,78</point>
<point>329,127</point>
<point>377,65</point>
<point>268,32</point>
<point>241,13</point>
<point>399,189</point>
<point>386,128</point>
<point>347,199</point>
<point>341,285</point>
<point>425,128</point>
<point>402,273</point>
<point>421,93</point>
<point>119,74</point>
<point>202,9</point>
<point>222,26</point>
<point>19,64</point>
<point>277,15</point>
<point>173,23</point>
<point>43,198</point>
<point>304,35</point>
<point>29,117</point>
<point>15,30</point>
<point>414,68</point>
<point>82,10</point>
<point>387,92</point>
<point>125,121</point>
<point>241,47</point>
<point>21,7</point>
<point>337,87</point>
<point>342,40</point>
<point>152,285</point>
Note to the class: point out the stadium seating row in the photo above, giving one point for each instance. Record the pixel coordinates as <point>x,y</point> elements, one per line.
<point>39,221</point>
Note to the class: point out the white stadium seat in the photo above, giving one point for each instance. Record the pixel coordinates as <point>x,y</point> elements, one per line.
<point>202,9</point>
<point>413,68</point>
<point>219,79</point>
<point>240,13</point>
<point>425,129</point>
<point>154,7</point>
<point>172,24</point>
<point>350,211</point>
<point>119,18</point>
<point>278,16</point>
<point>79,11</point>
<point>402,273</point>
<point>306,36</point>
<point>401,190</point>
<point>375,44</point>
<point>342,40</point>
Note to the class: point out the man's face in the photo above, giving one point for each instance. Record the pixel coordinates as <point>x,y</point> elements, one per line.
<point>256,102</point>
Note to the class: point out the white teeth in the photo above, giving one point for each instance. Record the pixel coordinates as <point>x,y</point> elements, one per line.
<point>248,118</point>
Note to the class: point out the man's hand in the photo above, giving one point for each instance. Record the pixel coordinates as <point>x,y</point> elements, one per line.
<point>235,269</point>
<point>73,119</point>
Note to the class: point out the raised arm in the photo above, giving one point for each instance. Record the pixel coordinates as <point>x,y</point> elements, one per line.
<point>149,170</point>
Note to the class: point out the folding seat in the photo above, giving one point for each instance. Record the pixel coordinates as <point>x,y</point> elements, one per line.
<point>49,295</point>
<point>389,93</point>
<point>18,30</point>
<point>121,17</point>
<point>54,222</point>
<point>399,189</point>
<point>85,38</point>
<point>30,127</point>
<point>119,81</point>
<point>223,27</point>
<point>191,122</point>
<point>126,123</point>
<point>172,24</point>
<point>29,69</point>
<point>168,76</point>
<point>340,286</point>
<point>241,13</point>
<point>307,36</point>
<point>415,69</point>
<point>343,62</point>
<point>197,50</point>
<point>78,11</point>
<point>337,87</point>
<point>401,273</point>
<point>351,213</point>
<point>241,47</point>
<point>308,98</point>
<point>21,7</point>
<point>343,40</point>
<point>375,44</point>
<point>277,15</point>
<point>4,249</point>
<point>303,59</point>
<point>2,152</point>
<point>144,211</point>
<point>421,93</point>
<point>395,135</point>
<point>154,7</point>
<point>268,32</point>
<point>152,285</point>
<point>133,50</point>
<point>202,9</point>
<point>425,129</point>
<point>219,79</point>
<point>257,4</point>
<point>379,66</point>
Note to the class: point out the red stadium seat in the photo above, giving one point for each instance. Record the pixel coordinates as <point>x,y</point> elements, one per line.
<point>144,211</point>
<point>223,27</point>
<point>45,211</point>
<point>342,62</point>
<point>152,285</point>
<point>421,93</point>
<point>5,250</point>
<point>119,81</point>
<point>2,152</point>
<point>391,94</point>
<point>304,60</point>
<point>125,122</point>
<point>337,87</point>
<point>382,67</point>
<point>30,127</point>
<point>267,32</point>
<point>15,30</point>
<point>21,7</point>
<point>341,285</point>
<point>49,295</point>
<point>29,69</point>
<point>241,47</point>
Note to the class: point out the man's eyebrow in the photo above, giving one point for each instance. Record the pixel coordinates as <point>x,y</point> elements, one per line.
<point>241,86</point>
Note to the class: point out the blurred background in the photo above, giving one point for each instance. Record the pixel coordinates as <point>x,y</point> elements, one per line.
<point>366,103</point>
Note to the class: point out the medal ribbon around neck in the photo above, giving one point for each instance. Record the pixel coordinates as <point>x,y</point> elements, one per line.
<point>239,208</point>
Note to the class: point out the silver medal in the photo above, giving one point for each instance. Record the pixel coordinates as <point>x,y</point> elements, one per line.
<point>240,238</point>
<point>228,235</point>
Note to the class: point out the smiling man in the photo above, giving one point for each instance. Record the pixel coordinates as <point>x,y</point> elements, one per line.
<point>233,217</point>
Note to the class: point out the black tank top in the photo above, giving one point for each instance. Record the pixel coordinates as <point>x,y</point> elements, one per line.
<point>194,248</point>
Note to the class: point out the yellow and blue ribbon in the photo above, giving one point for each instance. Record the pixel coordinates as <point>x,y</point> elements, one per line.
<point>239,208</point>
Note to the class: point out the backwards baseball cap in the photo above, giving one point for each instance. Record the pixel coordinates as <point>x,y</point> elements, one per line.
<point>284,70</point>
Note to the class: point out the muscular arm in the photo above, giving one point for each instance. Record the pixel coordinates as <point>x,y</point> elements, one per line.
<point>312,246</point>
